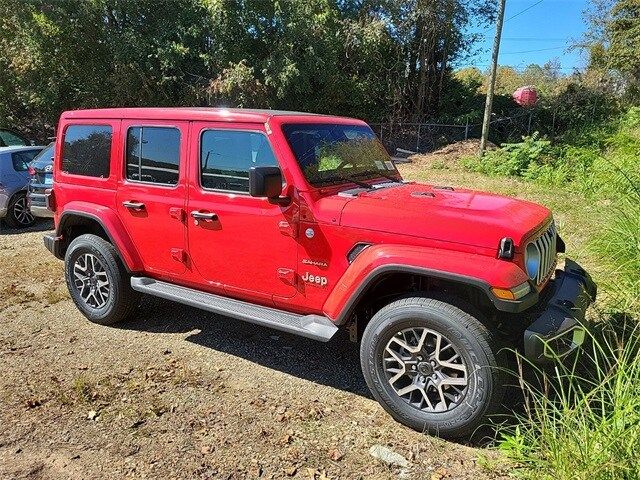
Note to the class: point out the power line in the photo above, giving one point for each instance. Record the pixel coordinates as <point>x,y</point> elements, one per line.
<point>520,66</point>
<point>520,12</point>
<point>533,51</point>
<point>525,10</point>
<point>535,39</point>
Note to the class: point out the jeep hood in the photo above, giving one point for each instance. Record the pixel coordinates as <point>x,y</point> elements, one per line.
<point>460,216</point>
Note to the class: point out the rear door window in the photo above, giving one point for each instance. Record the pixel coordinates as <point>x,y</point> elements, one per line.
<point>21,160</point>
<point>87,150</point>
<point>153,155</point>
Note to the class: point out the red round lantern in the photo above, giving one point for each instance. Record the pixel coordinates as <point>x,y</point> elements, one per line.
<point>526,96</point>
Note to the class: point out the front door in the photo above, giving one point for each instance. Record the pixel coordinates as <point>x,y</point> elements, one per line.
<point>243,244</point>
<point>152,192</point>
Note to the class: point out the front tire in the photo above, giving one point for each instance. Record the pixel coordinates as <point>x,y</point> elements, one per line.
<point>98,281</point>
<point>432,366</point>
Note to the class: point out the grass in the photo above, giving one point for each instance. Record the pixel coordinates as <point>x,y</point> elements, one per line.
<point>584,422</point>
<point>581,421</point>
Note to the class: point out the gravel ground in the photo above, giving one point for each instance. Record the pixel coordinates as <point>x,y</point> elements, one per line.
<point>181,393</point>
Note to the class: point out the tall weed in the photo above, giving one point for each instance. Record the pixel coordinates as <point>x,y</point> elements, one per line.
<point>582,421</point>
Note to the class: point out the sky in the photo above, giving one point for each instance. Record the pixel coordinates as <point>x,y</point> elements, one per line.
<point>536,31</point>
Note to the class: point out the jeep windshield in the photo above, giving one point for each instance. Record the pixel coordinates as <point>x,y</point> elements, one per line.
<point>331,154</point>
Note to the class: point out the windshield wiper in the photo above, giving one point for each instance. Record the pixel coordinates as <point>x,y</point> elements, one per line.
<point>350,180</point>
<point>381,174</point>
<point>393,179</point>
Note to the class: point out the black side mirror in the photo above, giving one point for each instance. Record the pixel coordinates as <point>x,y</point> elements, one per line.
<point>265,182</point>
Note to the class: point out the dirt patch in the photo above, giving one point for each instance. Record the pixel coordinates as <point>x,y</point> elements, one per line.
<point>180,393</point>
<point>448,156</point>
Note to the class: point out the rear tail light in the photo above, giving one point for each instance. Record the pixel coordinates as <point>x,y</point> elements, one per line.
<point>50,199</point>
<point>31,170</point>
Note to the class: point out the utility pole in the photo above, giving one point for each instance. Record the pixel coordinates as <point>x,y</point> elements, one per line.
<point>492,78</point>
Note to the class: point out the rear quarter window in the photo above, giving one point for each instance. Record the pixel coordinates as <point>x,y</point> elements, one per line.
<point>86,150</point>
<point>21,160</point>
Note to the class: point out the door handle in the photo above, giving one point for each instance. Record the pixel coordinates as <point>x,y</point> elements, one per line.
<point>204,215</point>
<point>133,205</point>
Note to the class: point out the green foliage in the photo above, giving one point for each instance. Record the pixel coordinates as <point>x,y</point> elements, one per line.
<point>618,247</point>
<point>632,118</point>
<point>239,86</point>
<point>601,164</point>
<point>623,31</point>
<point>577,105</point>
<point>583,421</point>
<point>363,59</point>
<point>516,159</point>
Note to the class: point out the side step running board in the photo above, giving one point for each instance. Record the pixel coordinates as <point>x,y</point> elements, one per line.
<point>311,326</point>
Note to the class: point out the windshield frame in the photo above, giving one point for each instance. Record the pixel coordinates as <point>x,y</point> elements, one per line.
<point>342,176</point>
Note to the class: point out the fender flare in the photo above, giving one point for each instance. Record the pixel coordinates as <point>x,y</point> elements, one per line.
<point>111,225</point>
<point>16,193</point>
<point>478,271</point>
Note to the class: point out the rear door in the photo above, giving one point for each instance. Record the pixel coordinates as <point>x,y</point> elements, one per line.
<point>20,162</point>
<point>243,244</point>
<point>151,193</point>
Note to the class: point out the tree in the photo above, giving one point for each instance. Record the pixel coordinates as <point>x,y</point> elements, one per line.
<point>378,60</point>
<point>507,81</point>
<point>612,42</point>
<point>623,32</point>
<point>470,77</point>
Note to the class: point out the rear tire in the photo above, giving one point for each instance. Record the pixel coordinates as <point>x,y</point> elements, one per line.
<point>432,366</point>
<point>18,213</point>
<point>98,282</point>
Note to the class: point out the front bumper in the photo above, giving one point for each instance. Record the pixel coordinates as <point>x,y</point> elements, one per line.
<point>560,328</point>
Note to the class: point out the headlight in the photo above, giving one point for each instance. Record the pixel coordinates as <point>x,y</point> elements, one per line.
<point>532,260</point>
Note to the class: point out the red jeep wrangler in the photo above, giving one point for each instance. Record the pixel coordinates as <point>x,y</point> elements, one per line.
<point>302,223</point>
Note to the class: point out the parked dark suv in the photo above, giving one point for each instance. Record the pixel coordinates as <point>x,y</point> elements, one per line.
<point>41,171</point>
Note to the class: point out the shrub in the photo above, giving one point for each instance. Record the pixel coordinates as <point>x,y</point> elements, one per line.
<point>512,158</point>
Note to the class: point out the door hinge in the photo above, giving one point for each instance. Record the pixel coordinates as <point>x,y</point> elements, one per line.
<point>287,275</point>
<point>178,213</point>
<point>179,255</point>
<point>288,228</point>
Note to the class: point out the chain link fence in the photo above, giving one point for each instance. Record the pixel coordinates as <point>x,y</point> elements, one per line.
<point>427,137</point>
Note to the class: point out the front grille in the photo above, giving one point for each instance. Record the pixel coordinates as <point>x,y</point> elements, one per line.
<point>546,245</point>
